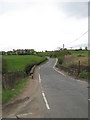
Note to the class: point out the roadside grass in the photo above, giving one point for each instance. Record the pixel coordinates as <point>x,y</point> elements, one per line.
<point>0,95</point>
<point>84,75</point>
<point>80,53</point>
<point>72,62</point>
<point>18,62</point>
<point>8,94</point>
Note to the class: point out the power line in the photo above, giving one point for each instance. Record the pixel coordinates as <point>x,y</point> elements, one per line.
<point>78,38</point>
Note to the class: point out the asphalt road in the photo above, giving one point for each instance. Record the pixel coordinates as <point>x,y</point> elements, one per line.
<point>64,96</point>
<point>50,95</point>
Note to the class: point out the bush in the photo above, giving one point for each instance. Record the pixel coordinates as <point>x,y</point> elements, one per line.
<point>4,66</point>
<point>60,59</point>
<point>28,68</point>
<point>79,55</point>
<point>84,75</point>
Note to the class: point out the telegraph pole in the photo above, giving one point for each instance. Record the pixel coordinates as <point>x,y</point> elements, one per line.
<point>63,50</point>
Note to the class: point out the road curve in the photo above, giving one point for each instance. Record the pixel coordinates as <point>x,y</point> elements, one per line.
<point>66,97</point>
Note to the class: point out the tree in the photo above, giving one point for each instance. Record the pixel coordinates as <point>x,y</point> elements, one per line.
<point>32,51</point>
<point>80,48</point>
<point>86,48</point>
<point>3,52</point>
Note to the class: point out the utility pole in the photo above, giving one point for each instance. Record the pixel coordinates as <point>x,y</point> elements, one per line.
<point>71,48</point>
<point>63,50</point>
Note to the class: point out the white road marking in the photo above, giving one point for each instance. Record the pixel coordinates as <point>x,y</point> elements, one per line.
<point>47,105</point>
<point>56,69</point>
<point>59,72</point>
<point>79,80</point>
<point>55,63</point>
<point>43,94</point>
<point>89,99</point>
<point>63,73</point>
<point>25,114</point>
<point>39,79</point>
<point>82,81</point>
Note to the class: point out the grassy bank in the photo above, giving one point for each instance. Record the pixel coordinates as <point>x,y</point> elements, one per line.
<point>0,95</point>
<point>70,63</point>
<point>18,62</point>
<point>8,94</point>
<point>14,64</point>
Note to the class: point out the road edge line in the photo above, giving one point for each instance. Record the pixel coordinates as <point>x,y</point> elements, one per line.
<point>56,69</point>
<point>47,105</point>
<point>43,94</point>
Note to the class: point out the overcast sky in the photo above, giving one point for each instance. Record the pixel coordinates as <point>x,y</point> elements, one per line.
<point>43,25</point>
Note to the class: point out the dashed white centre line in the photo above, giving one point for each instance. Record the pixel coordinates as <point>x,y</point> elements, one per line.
<point>43,94</point>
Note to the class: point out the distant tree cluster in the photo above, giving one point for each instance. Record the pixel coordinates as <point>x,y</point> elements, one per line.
<point>20,52</point>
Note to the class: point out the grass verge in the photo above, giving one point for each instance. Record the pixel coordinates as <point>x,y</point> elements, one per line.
<point>70,64</point>
<point>84,75</point>
<point>8,94</point>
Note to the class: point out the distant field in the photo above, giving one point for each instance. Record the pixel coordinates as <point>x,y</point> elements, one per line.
<point>18,62</point>
<point>79,53</point>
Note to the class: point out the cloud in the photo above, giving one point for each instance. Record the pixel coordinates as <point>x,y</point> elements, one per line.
<point>38,25</point>
<point>75,9</point>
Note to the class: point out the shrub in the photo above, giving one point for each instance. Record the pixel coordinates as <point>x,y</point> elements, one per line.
<point>28,68</point>
<point>4,66</point>
<point>79,55</point>
<point>84,75</point>
<point>60,59</point>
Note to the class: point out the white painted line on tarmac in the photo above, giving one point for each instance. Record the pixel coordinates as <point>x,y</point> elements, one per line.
<point>60,72</point>
<point>43,94</point>
<point>39,79</point>
<point>56,69</point>
<point>89,99</point>
<point>25,114</point>
<point>55,63</point>
<point>47,105</point>
<point>82,81</point>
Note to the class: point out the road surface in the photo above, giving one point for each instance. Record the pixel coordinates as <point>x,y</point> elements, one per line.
<point>66,97</point>
<point>50,95</point>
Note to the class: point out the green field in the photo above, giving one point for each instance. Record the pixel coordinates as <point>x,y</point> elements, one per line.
<point>81,53</point>
<point>18,62</point>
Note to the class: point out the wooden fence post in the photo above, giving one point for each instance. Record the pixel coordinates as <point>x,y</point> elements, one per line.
<point>79,67</point>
